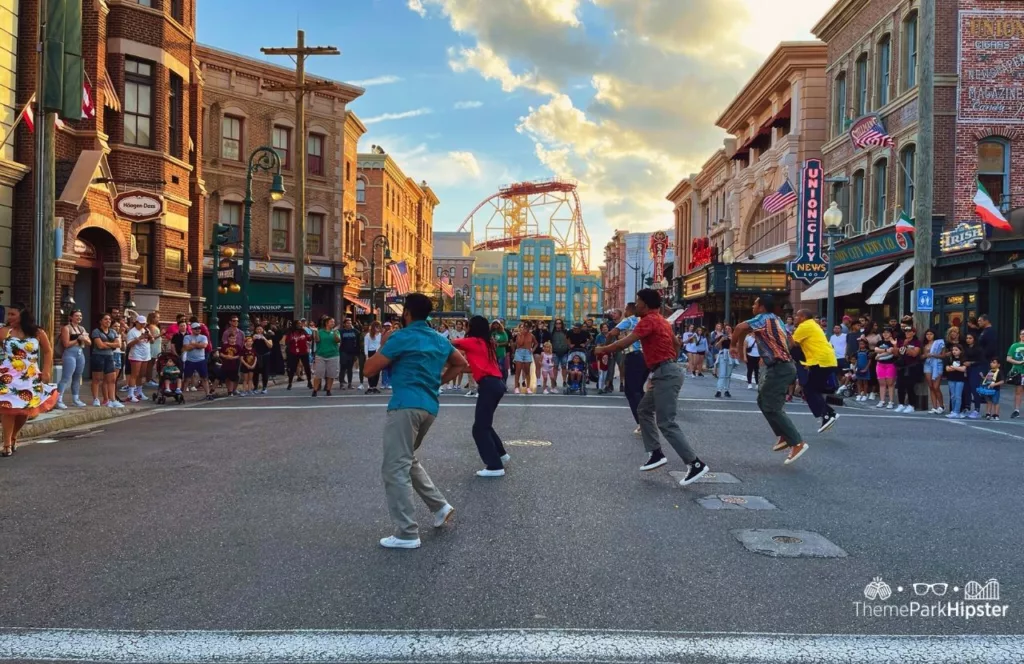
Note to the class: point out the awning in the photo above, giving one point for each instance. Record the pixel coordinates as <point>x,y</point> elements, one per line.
<point>847,283</point>
<point>264,297</point>
<point>363,305</point>
<point>878,297</point>
<point>692,310</point>
<point>396,309</point>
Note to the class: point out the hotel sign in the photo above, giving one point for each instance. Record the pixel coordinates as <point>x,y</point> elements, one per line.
<point>963,236</point>
<point>810,265</point>
<point>991,67</point>
<point>659,247</point>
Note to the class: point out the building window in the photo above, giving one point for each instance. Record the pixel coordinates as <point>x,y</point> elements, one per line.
<point>858,202</point>
<point>178,10</point>
<point>144,245</point>
<point>910,51</point>
<point>231,215</point>
<point>360,190</point>
<point>994,169</point>
<point>839,105</point>
<point>465,273</point>
<point>439,271</point>
<point>231,138</point>
<point>348,171</point>
<point>145,3</point>
<point>881,181</point>
<point>282,144</point>
<point>314,234</point>
<point>315,154</point>
<point>177,116</point>
<point>882,75</point>
<point>907,156</point>
<point>280,230</point>
<point>174,259</point>
<point>138,103</point>
<point>862,85</point>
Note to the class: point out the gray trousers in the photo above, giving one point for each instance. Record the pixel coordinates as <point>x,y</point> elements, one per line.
<point>657,412</point>
<point>404,430</point>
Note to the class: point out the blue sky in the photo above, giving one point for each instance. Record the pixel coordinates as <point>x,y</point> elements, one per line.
<point>616,94</point>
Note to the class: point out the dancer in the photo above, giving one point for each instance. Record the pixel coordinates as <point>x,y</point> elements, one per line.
<point>634,370</point>
<point>483,362</point>
<point>657,408</point>
<point>821,362</point>
<point>773,347</point>
<point>416,356</point>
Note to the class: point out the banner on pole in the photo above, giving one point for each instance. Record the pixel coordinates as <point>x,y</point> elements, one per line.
<point>810,265</point>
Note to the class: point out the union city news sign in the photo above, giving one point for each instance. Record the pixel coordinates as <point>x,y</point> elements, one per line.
<point>810,264</point>
<point>139,205</point>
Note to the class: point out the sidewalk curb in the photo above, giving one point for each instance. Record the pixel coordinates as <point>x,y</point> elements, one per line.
<point>76,419</point>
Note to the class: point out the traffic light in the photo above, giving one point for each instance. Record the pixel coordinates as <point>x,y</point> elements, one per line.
<point>221,234</point>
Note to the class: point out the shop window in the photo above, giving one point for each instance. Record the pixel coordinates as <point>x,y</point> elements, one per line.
<point>994,169</point>
<point>315,154</point>
<point>858,202</point>
<point>839,104</point>
<point>138,103</point>
<point>280,230</point>
<point>907,158</point>
<point>282,144</point>
<point>231,138</point>
<point>176,116</point>
<point>881,182</point>
<point>862,85</point>
<point>882,73</point>
<point>174,259</point>
<point>144,246</point>
<point>314,234</point>
<point>910,51</point>
<point>231,215</point>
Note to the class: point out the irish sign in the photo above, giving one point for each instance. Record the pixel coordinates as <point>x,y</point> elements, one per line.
<point>963,236</point>
<point>810,265</point>
<point>991,67</point>
<point>139,205</point>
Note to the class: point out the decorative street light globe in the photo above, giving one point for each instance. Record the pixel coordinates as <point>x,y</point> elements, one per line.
<point>833,217</point>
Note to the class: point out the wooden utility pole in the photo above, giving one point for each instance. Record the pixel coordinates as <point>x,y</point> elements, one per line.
<point>300,52</point>
<point>925,156</point>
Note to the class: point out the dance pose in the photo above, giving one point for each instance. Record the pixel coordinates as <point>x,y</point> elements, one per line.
<point>483,362</point>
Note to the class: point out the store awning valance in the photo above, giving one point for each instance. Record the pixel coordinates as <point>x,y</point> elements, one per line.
<point>396,309</point>
<point>264,297</point>
<point>847,283</point>
<point>878,297</point>
<point>362,305</point>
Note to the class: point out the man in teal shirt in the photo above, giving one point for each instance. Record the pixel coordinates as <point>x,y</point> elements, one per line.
<point>416,356</point>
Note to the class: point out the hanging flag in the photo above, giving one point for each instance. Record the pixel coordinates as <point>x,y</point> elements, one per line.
<point>400,277</point>
<point>88,106</point>
<point>904,224</point>
<point>873,135</point>
<point>780,200</point>
<point>445,285</point>
<point>28,116</point>
<point>988,210</point>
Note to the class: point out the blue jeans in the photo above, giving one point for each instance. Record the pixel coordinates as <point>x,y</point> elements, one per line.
<point>724,364</point>
<point>956,393</point>
<point>635,377</point>
<point>975,375</point>
<point>74,365</point>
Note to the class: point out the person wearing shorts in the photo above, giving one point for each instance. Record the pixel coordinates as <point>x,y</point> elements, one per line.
<point>193,347</point>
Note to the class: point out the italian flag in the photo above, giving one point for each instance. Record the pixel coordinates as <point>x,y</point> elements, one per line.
<point>988,210</point>
<point>904,224</point>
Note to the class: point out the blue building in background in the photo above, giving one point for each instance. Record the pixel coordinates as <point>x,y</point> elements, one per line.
<point>535,283</point>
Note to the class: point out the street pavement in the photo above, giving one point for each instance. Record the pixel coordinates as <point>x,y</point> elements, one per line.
<point>263,513</point>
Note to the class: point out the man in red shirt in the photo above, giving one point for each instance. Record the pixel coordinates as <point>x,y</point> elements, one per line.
<point>657,408</point>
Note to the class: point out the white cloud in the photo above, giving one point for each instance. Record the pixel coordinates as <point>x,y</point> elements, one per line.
<point>442,168</point>
<point>467,160</point>
<point>462,105</point>
<point>377,80</point>
<point>417,6</point>
<point>384,117</point>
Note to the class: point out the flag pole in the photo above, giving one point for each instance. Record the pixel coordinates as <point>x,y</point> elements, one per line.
<point>17,121</point>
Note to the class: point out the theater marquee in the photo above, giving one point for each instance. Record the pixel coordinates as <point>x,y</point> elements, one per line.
<point>991,67</point>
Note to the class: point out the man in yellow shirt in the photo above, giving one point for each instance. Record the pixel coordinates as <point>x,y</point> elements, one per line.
<point>820,361</point>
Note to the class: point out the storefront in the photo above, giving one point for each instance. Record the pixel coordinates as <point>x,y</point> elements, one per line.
<point>272,291</point>
<point>704,291</point>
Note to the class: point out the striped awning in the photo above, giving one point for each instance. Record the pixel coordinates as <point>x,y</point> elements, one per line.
<point>361,305</point>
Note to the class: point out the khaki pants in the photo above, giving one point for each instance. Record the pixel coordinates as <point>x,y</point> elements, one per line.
<point>404,430</point>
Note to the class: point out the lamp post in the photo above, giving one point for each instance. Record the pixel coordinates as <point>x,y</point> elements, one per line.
<point>263,159</point>
<point>727,259</point>
<point>833,219</point>
<point>382,242</point>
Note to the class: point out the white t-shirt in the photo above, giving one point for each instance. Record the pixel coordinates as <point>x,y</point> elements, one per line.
<point>839,344</point>
<point>751,344</point>
<point>195,354</point>
<point>371,343</point>
<point>140,351</point>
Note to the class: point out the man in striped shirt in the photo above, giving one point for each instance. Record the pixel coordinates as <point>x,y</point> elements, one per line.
<point>773,345</point>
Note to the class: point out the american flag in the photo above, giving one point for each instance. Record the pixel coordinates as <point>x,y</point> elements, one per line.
<point>875,137</point>
<point>400,277</point>
<point>445,284</point>
<point>780,200</point>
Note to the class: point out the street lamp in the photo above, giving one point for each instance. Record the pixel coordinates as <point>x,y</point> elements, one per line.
<point>263,159</point>
<point>727,259</point>
<point>833,219</point>
<point>382,242</point>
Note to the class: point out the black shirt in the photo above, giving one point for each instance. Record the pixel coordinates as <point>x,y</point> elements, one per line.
<point>577,339</point>
<point>178,340</point>
<point>349,341</point>
<point>954,376</point>
<point>976,356</point>
<point>987,341</point>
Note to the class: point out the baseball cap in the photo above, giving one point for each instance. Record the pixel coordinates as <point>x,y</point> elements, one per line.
<point>140,319</point>
<point>196,326</point>
<point>387,324</point>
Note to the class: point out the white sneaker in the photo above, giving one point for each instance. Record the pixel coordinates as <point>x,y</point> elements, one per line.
<point>442,515</point>
<point>750,386</point>
<point>96,402</point>
<point>490,473</point>
<point>891,405</point>
<point>505,458</point>
<point>939,410</point>
<point>114,404</point>
<point>953,416</point>
<point>79,403</point>
<point>636,431</point>
<point>517,391</point>
<point>61,406</point>
<point>872,396</point>
<point>881,404</point>
<point>133,399</point>
<point>395,543</point>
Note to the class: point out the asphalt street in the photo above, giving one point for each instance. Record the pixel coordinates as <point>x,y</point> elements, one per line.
<point>264,513</point>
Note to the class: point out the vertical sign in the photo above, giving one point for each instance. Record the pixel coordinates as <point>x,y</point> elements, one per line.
<point>659,247</point>
<point>809,265</point>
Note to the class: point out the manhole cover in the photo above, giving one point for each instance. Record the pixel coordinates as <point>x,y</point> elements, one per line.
<point>788,543</point>
<point>735,503</point>
<point>734,500</point>
<point>529,443</point>
<point>786,539</point>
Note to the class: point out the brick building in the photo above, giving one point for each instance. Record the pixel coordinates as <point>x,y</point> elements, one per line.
<point>393,205</point>
<point>147,131</point>
<point>240,115</point>
<point>11,171</point>
<point>873,68</point>
<point>453,257</point>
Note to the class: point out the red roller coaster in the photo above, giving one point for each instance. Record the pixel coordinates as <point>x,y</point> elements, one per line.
<point>537,209</point>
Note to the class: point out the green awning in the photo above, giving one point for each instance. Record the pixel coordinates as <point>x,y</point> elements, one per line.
<point>264,297</point>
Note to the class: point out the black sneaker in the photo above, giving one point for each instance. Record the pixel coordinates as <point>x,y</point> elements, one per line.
<point>718,395</point>
<point>696,471</point>
<point>657,460</point>
<point>314,393</point>
<point>828,421</point>
<point>1015,415</point>
<point>328,393</point>
<point>988,416</point>
<point>995,418</point>
<point>727,394</point>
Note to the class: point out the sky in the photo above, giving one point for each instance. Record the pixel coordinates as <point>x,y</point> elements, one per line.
<point>470,95</point>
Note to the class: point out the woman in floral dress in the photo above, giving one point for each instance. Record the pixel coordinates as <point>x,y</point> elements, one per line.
<point>25,374</point>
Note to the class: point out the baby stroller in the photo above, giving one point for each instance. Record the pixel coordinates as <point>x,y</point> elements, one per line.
<point>170,379</point>
<point>576,373</point>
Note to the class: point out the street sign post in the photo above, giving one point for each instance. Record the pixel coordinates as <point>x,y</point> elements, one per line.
<point>924,300</point>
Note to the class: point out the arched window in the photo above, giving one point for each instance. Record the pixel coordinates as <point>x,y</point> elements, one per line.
<point>994,168</point>
<point>839,104</point>
<point>910,51</point>
<point>857,216</point>
<point>862,85</point>
<point>360,190</point>
<point>882,71</point>
<point>881,182</point>
<point>907,159</point>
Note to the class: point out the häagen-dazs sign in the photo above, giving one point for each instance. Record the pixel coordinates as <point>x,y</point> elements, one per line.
<point>139,205</point>
<point>991,67</point>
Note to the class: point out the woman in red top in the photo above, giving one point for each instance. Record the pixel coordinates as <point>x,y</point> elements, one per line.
<point>478,348</point>
<point>297,342</point>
